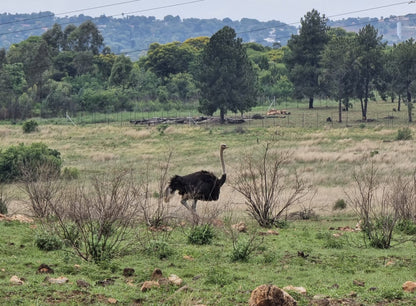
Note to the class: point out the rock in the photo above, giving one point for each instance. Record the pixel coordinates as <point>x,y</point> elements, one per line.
<point>175,280</point>
<point>14,280</point>
<point>157,274</point>
<point>320,297</point>
<point>269,232</point>
<point>303,254</point>
<point>127,272</point>
<point>105,282</point>
<point>163,282</point>
<point>184,289</point>
<point>188,257</point>
<point>240,227</point>
<point>20,218</point>
<point>43,268</point>
<point>409,286</point>
<point>353,294</point>
<point>59,280</point>
<point>266,295</point>
<point>300,290</point>
<point>112,301</point>
<point>83,284</point>
<point>147,285</point>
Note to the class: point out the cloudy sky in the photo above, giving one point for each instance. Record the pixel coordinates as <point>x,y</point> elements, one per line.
<point>285,11</point>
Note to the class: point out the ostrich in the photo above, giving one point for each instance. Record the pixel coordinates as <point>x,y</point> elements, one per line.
<point>201,185</point>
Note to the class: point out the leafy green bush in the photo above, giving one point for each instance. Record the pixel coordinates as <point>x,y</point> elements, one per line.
<point>340,204</point>
<point>241,250</point>
<point>404,134</point>
<point>48,242</point>
<point>159,248</point>
<point>3,207</point>
<point>3,202</point>
<point>333,243</point>
<point>201,234</point>
<point>30,126</point>
<point>407,227</point>
<point>217,276</point>
<point>70,173</point>
<point>16,158</point>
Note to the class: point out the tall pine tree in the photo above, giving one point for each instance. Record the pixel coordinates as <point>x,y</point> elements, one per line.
<point>226,77</point>
<point>303,60</point>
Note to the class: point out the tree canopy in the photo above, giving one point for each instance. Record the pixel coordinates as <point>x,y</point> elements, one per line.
<point>227,80</point>
<point>303,60</point>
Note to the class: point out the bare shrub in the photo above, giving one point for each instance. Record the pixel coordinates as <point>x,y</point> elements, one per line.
<point>42,185</point>
<point>403,197</point>
<point>268,187</point>
<point>380,204</point>
<point>97,222</point>
<point>155,211</point>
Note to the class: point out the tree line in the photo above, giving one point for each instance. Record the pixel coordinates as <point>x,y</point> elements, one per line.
<point>71,69</point>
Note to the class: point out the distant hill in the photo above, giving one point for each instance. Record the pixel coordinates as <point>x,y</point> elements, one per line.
<point>133,34</point>
<point>394,29</point>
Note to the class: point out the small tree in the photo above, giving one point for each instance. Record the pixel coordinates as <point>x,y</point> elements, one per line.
<point>226,79</point>
<point>268,188</point>
<point>303,60</point>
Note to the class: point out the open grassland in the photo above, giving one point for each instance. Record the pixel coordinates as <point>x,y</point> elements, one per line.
<point>326,156</point>
<point>341,267</point>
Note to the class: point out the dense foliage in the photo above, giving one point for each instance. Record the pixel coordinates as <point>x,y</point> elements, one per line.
<point>73,69</point>
<point>227,79</point>
<point>16,161</point>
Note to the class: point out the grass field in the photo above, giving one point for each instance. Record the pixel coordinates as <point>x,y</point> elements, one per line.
<point>343,269</point>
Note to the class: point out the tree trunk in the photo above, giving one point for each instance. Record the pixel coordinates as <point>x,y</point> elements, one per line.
<point>340,111</point>
<point>409,105</point>
<point>310,102</point>
<point>363,110</point>
<point>222,115</point>
<point>399,103</point>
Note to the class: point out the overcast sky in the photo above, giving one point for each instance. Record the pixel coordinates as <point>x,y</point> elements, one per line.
<point>285,11</point>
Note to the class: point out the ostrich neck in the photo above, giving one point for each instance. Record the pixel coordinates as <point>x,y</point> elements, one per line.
<point>222,161</point>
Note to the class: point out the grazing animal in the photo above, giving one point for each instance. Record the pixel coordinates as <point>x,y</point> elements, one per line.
<point>201,185</point>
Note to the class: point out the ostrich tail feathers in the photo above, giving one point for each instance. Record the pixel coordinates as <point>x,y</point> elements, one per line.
<point>172,187</point>
<point>168,194</point>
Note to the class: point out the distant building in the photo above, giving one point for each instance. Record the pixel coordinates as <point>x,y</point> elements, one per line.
<point>399,30</point>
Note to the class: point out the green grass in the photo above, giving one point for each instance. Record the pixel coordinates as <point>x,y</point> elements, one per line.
<point>328,269</point>
<point>324,154</point>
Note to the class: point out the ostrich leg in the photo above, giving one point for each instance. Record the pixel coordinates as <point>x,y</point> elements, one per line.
<point>194,206</point>
<point>184,203</point>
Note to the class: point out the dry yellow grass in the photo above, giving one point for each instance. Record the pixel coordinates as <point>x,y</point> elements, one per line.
<point>325,157</point>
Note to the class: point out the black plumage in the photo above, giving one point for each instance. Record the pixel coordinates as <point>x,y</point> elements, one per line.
<point>201,185</point>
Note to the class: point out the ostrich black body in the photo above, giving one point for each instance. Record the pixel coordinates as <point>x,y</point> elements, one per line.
<point>201,185</point>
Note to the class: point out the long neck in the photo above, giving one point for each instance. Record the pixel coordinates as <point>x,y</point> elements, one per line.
<point>222,160</point>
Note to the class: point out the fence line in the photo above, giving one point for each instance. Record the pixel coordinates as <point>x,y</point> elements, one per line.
<point>297,119</point>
